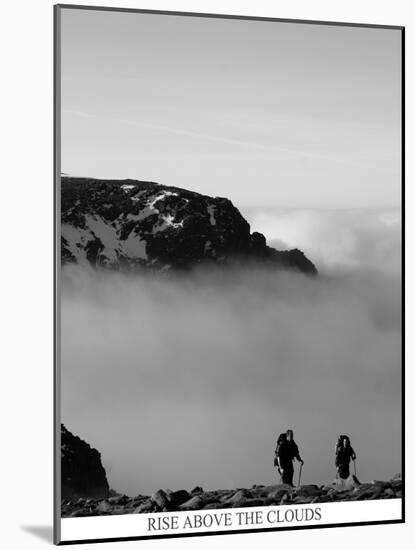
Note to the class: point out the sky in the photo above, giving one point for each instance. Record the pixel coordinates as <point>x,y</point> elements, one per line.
<point>184,382</point>
<point>269,114</point>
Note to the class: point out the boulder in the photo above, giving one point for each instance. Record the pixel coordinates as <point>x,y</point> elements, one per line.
<point>146,506</point>
<point>383,484</point>
<point>276,494</point>
<point>376,489</point>
<point>308,491</point>
<point>240,496</point>
<point>194,503</point>
<point>176,498</point>
<point>160,498</point>
<point>122,499</point>
<point>285,499</point>
<point>103,507</point>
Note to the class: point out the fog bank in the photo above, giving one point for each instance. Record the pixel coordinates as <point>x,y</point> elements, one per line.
<point>188,381</point>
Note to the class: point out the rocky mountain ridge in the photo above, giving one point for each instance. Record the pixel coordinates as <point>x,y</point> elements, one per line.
<point>134,224</point>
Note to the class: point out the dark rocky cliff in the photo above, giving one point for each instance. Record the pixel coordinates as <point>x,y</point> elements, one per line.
<point>82,473</point>
<point>131,224</point>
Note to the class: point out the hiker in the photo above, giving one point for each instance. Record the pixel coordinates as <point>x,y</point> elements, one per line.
<point>344,452</point>
<point>286,452</point>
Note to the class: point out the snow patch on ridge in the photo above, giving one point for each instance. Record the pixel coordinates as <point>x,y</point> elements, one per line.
<point>167,221</point>
<point>159,197</point>
<point>106,234</point>
<point>135,247</point>
<point>77,239</point>
<point>127,187</point>
<point>145,213</point>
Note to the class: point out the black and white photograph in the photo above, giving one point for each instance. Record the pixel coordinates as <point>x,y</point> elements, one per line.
<point>229,251</point>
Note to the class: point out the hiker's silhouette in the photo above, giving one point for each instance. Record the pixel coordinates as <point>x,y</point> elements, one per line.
<point>285,452</point>
<point>344,452</point>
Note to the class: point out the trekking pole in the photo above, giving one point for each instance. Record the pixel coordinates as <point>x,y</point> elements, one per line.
<point>299,474</point>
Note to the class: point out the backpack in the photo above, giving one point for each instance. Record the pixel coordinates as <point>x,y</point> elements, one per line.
<point>281,439</point>
<point>343,448</point>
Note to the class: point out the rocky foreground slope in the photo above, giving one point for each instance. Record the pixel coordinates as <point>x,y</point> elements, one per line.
<point>258,495</point>
<point>134,224</point>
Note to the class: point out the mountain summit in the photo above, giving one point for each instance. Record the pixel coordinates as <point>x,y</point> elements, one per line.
<point>132,224</point>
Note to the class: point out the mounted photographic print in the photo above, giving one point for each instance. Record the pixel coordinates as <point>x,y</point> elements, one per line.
<point>229,353</point>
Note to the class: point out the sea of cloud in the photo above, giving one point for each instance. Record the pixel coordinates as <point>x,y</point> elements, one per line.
<point>184,381</point>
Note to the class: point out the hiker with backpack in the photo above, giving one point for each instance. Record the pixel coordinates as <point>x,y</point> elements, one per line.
<point>344,452</point>
<point>285,452</point>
